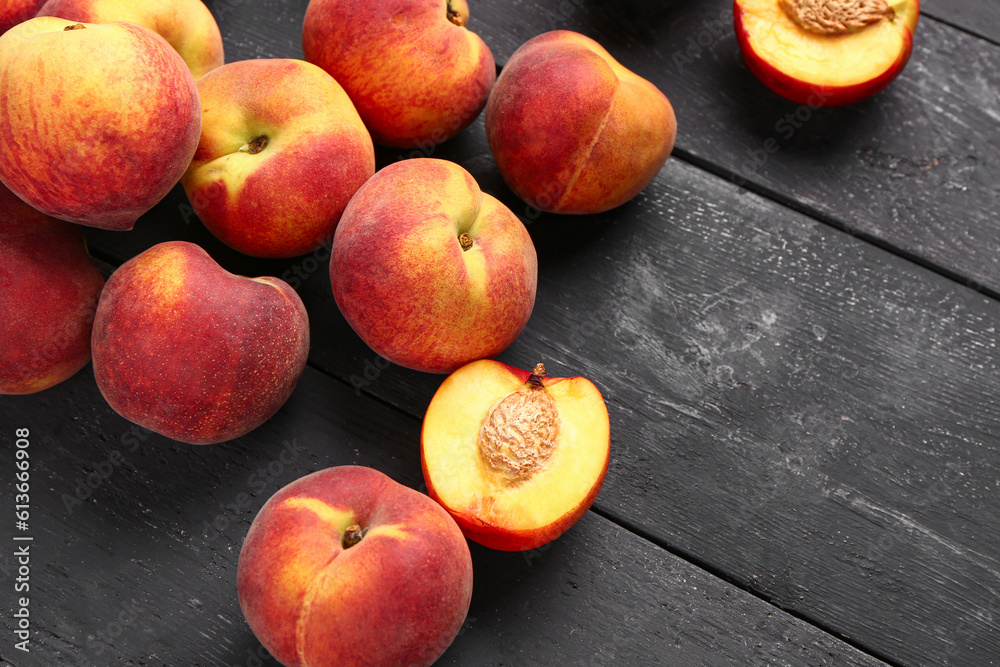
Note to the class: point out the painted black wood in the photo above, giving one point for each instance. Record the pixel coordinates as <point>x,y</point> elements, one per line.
<point>978,18</point>
<point>797,411</point>
<point>136,541</point>
<point>791,407</point>
<point>914,168</point>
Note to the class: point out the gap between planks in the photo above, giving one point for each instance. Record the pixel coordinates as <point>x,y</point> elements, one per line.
<point>719,574</point>
<point>805,209</point>
<point>960,28</point>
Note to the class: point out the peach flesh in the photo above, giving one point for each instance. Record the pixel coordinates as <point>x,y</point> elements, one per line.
<point>516,457</point>
<point>809,67</point>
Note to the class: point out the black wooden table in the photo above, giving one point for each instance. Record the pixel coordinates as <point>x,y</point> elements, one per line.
<point>798,352</point>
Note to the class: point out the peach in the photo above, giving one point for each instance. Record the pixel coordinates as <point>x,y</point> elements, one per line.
<point>572,131</point>
<point>430,271</point>
<point>13,12</point>
<point>97,121</point>
<point>187,25</point>
<point>345,567</point>
<point>48,293</point>
<point>516,457</point>
<point>826,53</point>
<point>416,74</point>
<point>188,350</point>
<point>282,151</point>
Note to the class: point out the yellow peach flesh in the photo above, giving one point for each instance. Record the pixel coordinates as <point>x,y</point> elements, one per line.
<point>463,482</point>
<point>825,60</point>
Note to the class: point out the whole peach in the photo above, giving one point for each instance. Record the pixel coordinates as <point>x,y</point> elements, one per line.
<point>346,567</point>
<point>187,25</point>
<point>416,74</point>
<point>430,271</point>
<point>188,350</point>
<point>97,121</point>
<point>282,151</point>
<point>572,130</point>
<point>48,293</point>
<point>13,12</point>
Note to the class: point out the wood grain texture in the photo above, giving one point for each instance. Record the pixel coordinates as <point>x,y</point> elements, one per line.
<point>978,18</point>
<point>915,168</point>
<point>136,541</point>
<point>797,410</point>
<point>792,407</point>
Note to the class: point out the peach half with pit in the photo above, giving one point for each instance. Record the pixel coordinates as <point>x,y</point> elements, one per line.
<point>826,53</point>
<point>516,457</point>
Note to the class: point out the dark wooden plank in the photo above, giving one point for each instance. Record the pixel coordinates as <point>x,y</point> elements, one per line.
<point>804,412</point>
<point>979,18</point>
<point>793,408</point>
<point>915,167</point>
<point>790,406</point>
<point>136,540</point>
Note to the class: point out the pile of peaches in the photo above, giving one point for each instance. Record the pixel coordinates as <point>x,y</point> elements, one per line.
<point>106,105</point>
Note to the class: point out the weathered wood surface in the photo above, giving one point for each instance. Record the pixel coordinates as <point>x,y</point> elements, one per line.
<point>791,407</point>
<point>800,412</point>
<point>916,168</point>
<point>978,18</point>
<point>136,540</point>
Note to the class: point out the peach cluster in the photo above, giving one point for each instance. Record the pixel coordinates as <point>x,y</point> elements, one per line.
<point>278,158</point>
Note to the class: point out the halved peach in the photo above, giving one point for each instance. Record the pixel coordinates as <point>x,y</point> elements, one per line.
<point>514,456</point>
<point>826,52</point>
